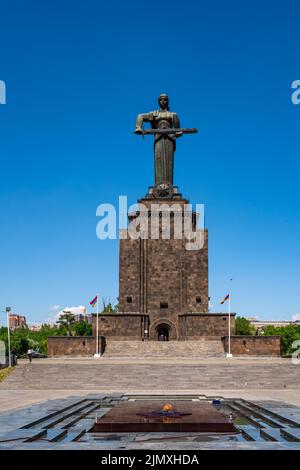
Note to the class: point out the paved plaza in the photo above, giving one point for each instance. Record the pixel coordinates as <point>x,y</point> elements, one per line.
<point>32,391</point>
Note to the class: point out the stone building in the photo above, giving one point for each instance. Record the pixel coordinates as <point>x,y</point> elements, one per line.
<point>163,284</point>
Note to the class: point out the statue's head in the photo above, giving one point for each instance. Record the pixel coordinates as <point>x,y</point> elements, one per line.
<point>163,102</point>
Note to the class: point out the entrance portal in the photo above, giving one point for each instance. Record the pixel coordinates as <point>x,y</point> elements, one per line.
<point>163,332</point>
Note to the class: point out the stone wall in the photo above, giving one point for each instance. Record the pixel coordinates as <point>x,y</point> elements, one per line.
<point>253,345</point>
<point>71,345</point>
<point>190,326</point>
<point>120,326</point>
<point>193,326</point>
<point>240,345</point>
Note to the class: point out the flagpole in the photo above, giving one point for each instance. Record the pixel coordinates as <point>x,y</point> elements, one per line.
<point>97,329</point>
<point>97,350</point>
<point>229,329</point>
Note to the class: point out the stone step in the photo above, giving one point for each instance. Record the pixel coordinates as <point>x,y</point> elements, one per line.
<point>152,374</point>
<point>201,348</point>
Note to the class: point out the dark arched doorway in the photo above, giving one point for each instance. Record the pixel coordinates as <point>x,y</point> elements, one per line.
<point>163,331</point>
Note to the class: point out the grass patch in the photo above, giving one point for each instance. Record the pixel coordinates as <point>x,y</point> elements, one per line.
<point>5,372</point>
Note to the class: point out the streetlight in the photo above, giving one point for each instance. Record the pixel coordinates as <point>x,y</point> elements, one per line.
<point>8,309</point>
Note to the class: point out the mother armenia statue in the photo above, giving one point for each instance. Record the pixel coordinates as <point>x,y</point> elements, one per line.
<point>166,129</point>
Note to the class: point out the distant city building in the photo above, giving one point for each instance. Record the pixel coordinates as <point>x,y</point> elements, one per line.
<point>16,321</point>
<point>277,323</point>
<point>84,317</point>
<point>38,326</point>
<point>35,326</point>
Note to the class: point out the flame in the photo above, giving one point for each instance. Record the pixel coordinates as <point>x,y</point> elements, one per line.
<point>167,407</point>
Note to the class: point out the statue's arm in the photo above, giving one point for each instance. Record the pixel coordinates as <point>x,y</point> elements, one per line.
<point>177,125</point>
<point>141,118</point>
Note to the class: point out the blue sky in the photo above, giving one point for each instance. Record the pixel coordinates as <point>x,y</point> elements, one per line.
<point>77,73</point>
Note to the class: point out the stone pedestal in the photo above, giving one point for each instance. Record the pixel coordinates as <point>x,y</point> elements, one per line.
<point>162,278</point>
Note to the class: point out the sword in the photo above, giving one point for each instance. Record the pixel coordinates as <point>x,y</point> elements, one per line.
<point>174,130</point>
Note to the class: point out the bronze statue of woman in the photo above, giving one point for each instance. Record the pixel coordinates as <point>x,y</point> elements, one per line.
<point>164,144</point>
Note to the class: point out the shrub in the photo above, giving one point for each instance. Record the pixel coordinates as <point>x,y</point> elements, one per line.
<point>243,326</point>
<point>288,334</point>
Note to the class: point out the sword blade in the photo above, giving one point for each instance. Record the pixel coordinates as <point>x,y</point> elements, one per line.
<point>191,130</point>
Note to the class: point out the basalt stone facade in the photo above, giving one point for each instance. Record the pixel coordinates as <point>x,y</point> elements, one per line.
<point>164,274</point>
<point>157,273</point>
<point>121,326</point>
<point>71,345</point>
<point>194,326</point>
<point>163,280</point>
<point>190,326</point>
<point>253,345</point>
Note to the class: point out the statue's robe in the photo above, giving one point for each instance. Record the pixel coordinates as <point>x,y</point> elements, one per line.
<point>164,144</point>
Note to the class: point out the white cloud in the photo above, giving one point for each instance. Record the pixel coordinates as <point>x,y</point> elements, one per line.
<point>54,308</point>
<point>56,314</point>
<point>74,310</point>
<point>296,317</point>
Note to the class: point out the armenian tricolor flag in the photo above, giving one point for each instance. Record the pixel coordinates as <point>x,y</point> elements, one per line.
<point>225,298</point>
<point>94,301</point>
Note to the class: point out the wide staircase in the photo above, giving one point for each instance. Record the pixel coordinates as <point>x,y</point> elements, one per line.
<point>200,348</point>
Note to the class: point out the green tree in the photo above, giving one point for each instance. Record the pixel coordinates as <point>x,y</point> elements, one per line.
<point>22,338</point>
<point>82,328</point>
<point>288,335</point>
<point>19,345</point>
<point>109,307</point>
<point>66,321</point>
<point>243,326</point>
